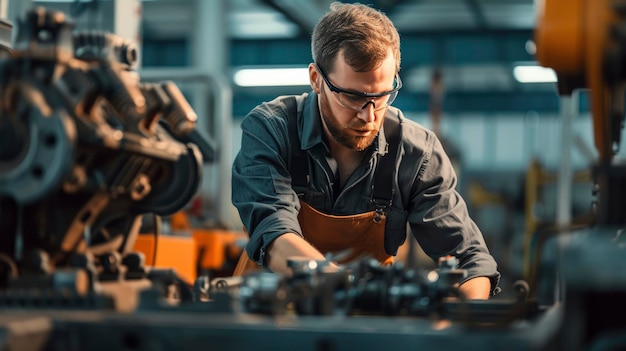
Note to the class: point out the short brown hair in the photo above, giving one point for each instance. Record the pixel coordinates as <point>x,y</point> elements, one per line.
<point>364,34</point>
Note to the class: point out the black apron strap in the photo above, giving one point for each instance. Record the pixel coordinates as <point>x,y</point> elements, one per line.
<point>299,167</point>
<point>382,192</point>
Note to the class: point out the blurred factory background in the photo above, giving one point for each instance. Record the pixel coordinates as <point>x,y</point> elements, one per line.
<point>499,111</point>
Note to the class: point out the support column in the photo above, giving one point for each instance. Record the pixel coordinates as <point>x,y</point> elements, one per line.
<point>213,103</point>
<point>569,108</point>
<point>14,9</point>
<point>127,22</point>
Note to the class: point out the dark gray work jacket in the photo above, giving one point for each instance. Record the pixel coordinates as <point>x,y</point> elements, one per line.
<point>424,194</point>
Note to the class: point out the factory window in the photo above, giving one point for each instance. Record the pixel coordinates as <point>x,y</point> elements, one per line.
<point>165,53</point>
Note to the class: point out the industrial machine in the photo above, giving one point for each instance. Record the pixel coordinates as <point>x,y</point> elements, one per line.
<point>88,152</point>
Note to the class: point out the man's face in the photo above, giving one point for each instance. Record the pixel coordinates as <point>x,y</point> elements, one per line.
<point>355,130</point>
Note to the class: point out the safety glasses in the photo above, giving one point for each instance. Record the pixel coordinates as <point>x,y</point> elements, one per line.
<point>357,101</point>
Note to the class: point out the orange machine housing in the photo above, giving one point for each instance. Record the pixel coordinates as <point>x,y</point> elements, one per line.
<point>573,37</point>
<point>192,252</point>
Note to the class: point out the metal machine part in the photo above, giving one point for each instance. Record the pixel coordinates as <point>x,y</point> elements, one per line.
<point>367,288</point>
<point>85,150</point>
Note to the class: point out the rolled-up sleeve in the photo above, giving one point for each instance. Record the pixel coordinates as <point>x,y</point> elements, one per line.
<point>439,217</point>
<point>261,184</point>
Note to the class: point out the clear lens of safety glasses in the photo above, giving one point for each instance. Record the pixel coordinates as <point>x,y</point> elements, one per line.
<point>357,102</point>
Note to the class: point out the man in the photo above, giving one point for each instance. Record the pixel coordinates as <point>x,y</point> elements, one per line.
<point>339,168</point>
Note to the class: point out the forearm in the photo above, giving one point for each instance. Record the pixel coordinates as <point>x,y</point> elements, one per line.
<point>476,288</point>
<point>287,246</point>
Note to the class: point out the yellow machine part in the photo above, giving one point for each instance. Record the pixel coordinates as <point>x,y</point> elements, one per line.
<point>573,37</point>
<point>537,178</point>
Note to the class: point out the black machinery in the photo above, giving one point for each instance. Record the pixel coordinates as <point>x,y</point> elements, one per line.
<point>85,151</point>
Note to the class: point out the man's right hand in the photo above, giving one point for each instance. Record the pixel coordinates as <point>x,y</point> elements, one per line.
<point>286,246</point>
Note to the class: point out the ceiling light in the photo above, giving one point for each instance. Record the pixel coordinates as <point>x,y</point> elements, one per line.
<point>534,74</point>
<point>265,77</point>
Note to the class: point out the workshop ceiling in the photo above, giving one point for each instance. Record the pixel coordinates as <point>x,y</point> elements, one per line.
<point>273,19</point>
<point>476,44</point>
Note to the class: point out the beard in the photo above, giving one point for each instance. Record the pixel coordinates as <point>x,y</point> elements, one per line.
<point>339,132</point>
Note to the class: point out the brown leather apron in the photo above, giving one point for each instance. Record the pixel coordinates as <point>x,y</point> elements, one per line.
<point>355,237</point>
